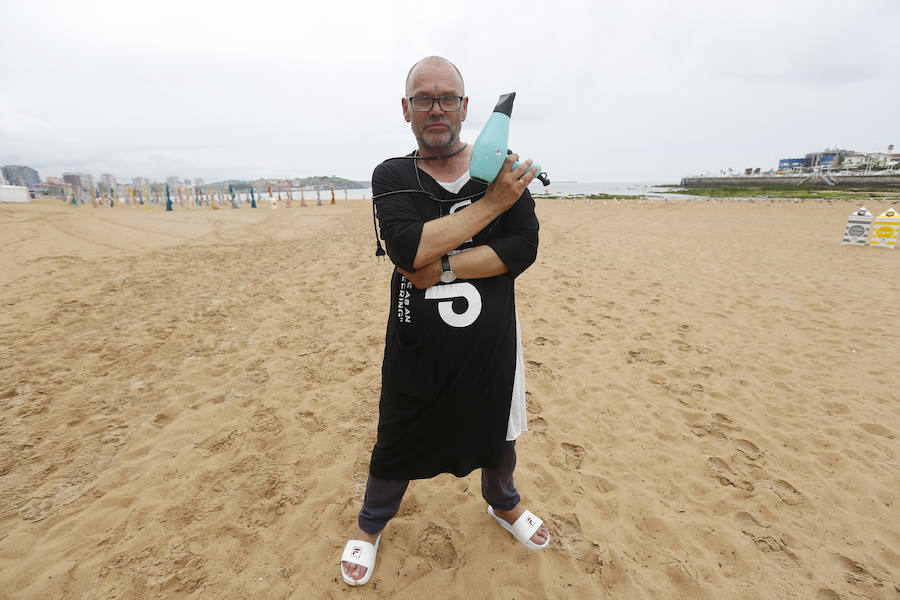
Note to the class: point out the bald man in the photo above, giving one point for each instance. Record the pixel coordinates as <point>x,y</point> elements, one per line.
<point>453,389</point>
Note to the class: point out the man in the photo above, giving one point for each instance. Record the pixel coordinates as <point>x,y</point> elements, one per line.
<point>453,393</point>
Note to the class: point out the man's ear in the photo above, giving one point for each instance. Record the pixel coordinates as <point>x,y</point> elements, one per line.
<point>405,104</point>
<point>465,108</point>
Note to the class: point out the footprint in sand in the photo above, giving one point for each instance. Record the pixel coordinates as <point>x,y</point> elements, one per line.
<point>854,572</point>
<point>720,470</point>
<point>605,486</point>
<point>436,545</point>
<point>538,425</point>
<point>826,594</point>
<point>749,449</point>
<point>766,539</point>
<point>748,522</point>
<point>718,426</point>
<point>877,429</point>
<point>786,492</point>
<point>574,455</point>
<point>566,532</point>
<point>532,405</point>
<point>162,419</point>
<point>723,473</point>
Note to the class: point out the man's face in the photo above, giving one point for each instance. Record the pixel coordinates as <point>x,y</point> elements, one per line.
<point>435,130</point>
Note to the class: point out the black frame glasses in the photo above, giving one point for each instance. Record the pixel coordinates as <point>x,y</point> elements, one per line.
<point>440,101</point>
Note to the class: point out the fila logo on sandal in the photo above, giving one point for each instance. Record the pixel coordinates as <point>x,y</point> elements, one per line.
<point>530,521</point>
<point>357,551</point>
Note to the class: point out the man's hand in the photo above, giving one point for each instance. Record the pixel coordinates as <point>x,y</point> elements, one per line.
<point>426,276</point>
<point>509,184</point>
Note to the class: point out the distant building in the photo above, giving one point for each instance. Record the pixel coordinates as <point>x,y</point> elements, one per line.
<point>107,182</point>
<point>140,183</point>
<point>855,161</point>
<point>172,182</point>
<point>56,187</point>
<point>871,160</point>
<point>21,175</point>
<point>880,160</point>
<point>827,159</point>
<point>79,181</point>
<point>198,182</point>
<point>2,178</point>
<point>791,164</point>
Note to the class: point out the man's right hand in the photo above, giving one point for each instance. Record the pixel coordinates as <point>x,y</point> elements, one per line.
<point>509,184</point>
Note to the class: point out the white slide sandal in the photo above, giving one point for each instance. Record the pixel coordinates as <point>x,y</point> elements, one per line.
<point>523,528</point>
<point>358,552</point>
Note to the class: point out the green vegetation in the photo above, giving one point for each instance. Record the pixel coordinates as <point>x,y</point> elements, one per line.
<point>787,192</point>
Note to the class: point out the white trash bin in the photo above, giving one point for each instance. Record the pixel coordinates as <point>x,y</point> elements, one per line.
<point>858,226</point>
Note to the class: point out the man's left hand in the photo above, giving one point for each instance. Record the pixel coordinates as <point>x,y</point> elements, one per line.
<point>426,276</point>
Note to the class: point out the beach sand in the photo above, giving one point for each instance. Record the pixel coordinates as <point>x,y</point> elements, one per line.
<point>189,400</point>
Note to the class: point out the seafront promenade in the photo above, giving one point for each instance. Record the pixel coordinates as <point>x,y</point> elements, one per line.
<point>856,182</point>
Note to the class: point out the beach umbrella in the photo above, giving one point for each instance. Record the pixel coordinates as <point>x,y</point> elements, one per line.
<point>168,199</point>
<point>234,203</point>
<point>302,199</point>
<point>252,198</point>
<point>332,193</point>
<point>289,198</point>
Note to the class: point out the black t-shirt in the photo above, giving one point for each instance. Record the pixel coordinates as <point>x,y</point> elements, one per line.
<point>450,350</point>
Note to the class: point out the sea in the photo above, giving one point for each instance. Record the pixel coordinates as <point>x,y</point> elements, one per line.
<point>563,188</point>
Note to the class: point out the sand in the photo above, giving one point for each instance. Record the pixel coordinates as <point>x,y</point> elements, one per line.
<point>189,400</point>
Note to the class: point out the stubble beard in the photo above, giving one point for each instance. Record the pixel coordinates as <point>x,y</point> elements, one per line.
<point>442,147</point>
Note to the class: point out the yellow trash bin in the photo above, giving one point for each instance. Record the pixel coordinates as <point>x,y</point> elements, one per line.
<point>885,228</point>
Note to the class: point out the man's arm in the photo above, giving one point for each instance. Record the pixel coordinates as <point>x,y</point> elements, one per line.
<point>476,263</point>
<point>442,235</point>
<point>512,249</point>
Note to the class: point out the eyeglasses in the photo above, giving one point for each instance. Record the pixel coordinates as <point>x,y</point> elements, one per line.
<point>426,103</point>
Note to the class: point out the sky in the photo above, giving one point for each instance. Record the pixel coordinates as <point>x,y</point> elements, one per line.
<point>637,90</point>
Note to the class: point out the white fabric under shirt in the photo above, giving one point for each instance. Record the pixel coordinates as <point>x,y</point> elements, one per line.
<point>518,420</point>
<point>454,186</point>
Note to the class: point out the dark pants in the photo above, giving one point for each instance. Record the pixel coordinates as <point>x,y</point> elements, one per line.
<point>383,496</point>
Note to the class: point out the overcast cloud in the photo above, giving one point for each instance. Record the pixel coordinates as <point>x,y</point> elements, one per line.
<point>607,91</point>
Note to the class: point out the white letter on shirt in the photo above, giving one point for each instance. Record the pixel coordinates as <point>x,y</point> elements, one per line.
<point>446,294</point>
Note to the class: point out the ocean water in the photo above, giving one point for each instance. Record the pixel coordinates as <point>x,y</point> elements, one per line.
<point>613,188</point>
<point>622,188</point>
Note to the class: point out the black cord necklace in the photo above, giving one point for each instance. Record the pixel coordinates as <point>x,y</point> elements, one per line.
<point>416,156</point>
